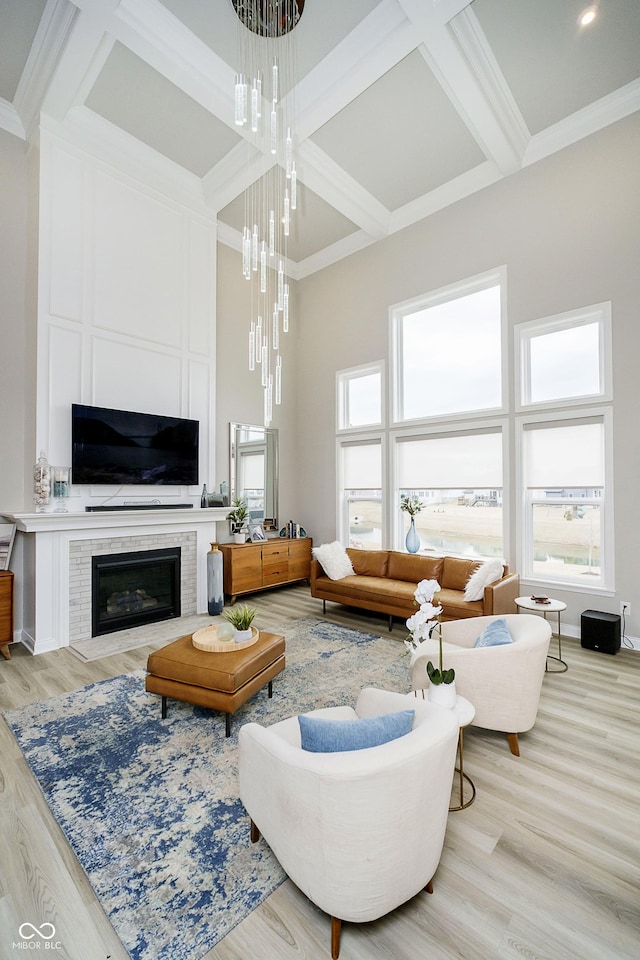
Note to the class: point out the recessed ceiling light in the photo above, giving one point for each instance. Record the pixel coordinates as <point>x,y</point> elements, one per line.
<point>588,15</point>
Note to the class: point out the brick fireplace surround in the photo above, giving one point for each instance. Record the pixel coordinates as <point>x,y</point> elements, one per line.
<point>52,563</point>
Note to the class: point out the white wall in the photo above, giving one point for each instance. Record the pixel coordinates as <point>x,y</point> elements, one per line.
<point>126,307</point>
<point>13,287</point>
<point>567,230</point>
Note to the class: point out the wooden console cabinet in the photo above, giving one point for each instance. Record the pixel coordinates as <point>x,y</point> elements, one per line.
<point>249,567</point>
<point>6,612</point>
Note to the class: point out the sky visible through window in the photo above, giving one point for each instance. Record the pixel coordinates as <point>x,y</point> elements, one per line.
<point>565,363</point>
<point>364,400</point>
<point>452,357</point>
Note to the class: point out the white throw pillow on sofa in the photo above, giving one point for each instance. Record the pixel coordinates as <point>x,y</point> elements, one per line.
<point>334,560</point>
<point>489,571</point>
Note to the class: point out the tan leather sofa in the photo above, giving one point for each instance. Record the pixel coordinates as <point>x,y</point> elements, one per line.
<point>385,581</point>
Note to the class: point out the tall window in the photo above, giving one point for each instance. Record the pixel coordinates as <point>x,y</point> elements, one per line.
<point>564,470</point>
<point>361,476</point>
<point>458,478</point>
<point>360,397</point>
<point>448,351</point>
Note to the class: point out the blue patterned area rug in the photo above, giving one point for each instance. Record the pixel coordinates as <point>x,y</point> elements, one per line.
<point>150,806</point>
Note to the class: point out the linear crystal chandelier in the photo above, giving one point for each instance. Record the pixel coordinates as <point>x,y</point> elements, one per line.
<point>264,107</point>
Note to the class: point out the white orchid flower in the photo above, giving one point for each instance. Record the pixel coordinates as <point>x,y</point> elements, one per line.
<point>426,590</point>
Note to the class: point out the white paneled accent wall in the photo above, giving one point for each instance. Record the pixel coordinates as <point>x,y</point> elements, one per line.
<point>126,307</point>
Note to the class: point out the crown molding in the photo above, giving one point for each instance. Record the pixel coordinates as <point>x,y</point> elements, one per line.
<point>463,186</point>
<point>10,120</point>
<point>91,134</point>
<point>583,123</point>
<point>333,254</point>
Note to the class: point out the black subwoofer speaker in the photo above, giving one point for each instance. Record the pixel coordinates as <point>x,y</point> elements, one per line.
<point>600,631</point>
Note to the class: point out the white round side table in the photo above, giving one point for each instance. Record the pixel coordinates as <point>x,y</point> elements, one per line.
<point>464,712</point>
<point>551,606</point>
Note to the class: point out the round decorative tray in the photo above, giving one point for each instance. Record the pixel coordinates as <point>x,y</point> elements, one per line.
<point>207,639</point>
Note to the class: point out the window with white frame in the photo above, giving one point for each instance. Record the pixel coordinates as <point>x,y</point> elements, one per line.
<point>564,465</point>
<point>360,397</point>
<point>448,351</point>
<point>361,486</point>
<point>565,359</point>
<point>459,479</point>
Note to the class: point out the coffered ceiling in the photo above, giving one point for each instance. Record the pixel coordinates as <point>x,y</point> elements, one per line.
<point>403,106</point>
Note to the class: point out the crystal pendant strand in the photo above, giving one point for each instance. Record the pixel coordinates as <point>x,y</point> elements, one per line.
<point>264,108</point>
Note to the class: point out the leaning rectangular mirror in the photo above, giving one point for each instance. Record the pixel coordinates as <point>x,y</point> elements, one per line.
<point>253,469</point>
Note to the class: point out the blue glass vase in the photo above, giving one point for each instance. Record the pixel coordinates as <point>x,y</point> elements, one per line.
<point>412,542</point>
<point>215,595</point>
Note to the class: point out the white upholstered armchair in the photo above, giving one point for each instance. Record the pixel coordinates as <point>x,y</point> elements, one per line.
<point>362,831</point>
<point>502,682</point>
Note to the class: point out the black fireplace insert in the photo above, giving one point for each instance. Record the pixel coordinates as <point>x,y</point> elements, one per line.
<point>132,589</point>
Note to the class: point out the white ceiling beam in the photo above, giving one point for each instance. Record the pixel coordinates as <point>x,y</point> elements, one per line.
<point>329,181</point>
<point>372,48</point>
<point>491,80</point>
<point>466,84</point>
<point>155,35</point>
<point>45,52</point>
<point>333,254</point>
<point>84,40</point>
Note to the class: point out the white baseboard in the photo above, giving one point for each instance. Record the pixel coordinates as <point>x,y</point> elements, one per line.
<point>628,643</point>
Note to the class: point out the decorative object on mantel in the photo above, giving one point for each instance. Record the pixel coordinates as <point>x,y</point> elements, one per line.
<point>215,592</point>
<point>41,483</point>
<point>61,477</point>
<point>266,40</point>
<point>238,518</point>
<point>413,506</point>
<point>210,498</point>
<point>422,625</point>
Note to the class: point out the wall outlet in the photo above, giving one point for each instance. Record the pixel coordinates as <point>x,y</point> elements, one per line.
<point>625,608</point>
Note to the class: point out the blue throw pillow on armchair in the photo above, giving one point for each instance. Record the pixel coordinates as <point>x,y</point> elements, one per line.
<point>333,736</point>
<point>494,634</point>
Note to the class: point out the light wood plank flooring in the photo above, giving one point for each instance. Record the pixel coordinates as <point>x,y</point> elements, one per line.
<point>545,865</point>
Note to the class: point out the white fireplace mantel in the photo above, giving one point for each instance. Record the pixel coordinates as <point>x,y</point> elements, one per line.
<point>42,560</point>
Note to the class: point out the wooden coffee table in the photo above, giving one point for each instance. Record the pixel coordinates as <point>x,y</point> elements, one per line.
<point>219,681</point>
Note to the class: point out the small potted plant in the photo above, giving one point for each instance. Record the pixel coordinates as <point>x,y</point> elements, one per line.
<point>241,619</point>
<point>238,518</point>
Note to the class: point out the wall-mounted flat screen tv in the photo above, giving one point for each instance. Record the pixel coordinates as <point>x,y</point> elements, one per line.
<point>119,446</point>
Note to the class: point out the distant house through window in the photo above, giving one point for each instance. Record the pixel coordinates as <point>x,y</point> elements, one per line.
<point>361,520</point>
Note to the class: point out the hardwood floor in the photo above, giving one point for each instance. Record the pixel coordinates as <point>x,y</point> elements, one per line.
<point>545,865</point>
